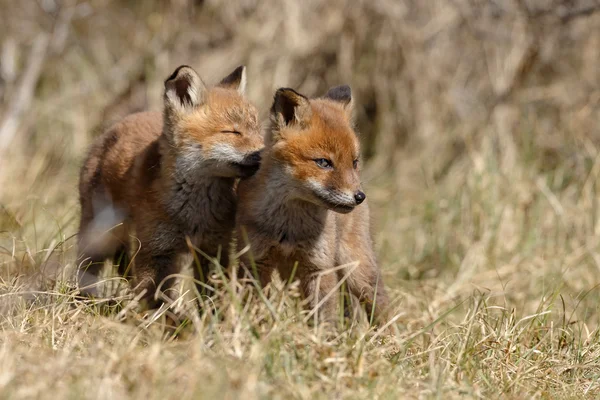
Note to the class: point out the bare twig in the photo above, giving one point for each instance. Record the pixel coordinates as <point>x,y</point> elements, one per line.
<point>42,45</point>
<point>564,13</point>
<point>22,100</point>
<point>569,15</point>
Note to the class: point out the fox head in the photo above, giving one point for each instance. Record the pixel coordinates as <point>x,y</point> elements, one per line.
<point>315,146</point>
<point>212,128</point>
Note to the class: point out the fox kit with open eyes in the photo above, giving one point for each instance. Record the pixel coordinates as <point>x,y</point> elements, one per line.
<point>163,177</point>
<point>305,204</point>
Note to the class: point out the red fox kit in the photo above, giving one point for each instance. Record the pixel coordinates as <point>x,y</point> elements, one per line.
<point>305,204</point>
<point>163,177</point>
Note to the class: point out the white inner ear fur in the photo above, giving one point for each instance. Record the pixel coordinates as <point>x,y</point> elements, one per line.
<point>242,86</point>
<point>195,90</point>
<point>175,101</point>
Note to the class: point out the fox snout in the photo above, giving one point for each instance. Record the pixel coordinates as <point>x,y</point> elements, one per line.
<point>337,200</point>
<point>249,164</point>
<point>252,158</point>
<point>342,202</point>
<point>359,197</point>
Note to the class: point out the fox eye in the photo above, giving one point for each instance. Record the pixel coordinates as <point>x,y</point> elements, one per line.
<point>323,163</point>
<point>231,131</point>
<point>355,164</point>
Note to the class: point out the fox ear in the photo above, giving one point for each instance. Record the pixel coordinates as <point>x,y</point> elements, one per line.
<point>235,80</point>
<point>343,95</point>
<point>184,90</point>
<point>290,108</point>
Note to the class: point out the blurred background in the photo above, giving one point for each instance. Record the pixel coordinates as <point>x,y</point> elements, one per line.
<point>479,120</point>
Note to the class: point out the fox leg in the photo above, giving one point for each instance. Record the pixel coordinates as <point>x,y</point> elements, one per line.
<point>122,259</point>
<point>90,258</point>
<point>216,249</point>
<point>150,271</point>
<point>366,284</point>
<point>203,266</point>
<point>316,288</point>
<point>254,263</point>
<point>259,270</point>
<point>102,233</point>
<point>88,272</point>
<point>201,272</point>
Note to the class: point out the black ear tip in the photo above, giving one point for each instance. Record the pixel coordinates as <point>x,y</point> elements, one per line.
<point>341,93</point>
<point>282,90</point>
<point>279,93</point>
<point>287,92</point>
<point>277,98</point>
<point>346,90</point>
<point>285,96</point>
<point>236,73</point>
<point>176,72</point>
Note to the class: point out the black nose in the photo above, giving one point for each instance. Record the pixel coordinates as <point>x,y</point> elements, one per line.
<point>359,197</point>
<point>253,158</point>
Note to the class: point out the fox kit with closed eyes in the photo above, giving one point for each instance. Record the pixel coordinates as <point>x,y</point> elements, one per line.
<point>306,205</point>
<point>164,177</point>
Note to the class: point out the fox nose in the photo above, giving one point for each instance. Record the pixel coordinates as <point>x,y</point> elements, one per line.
<point>359,197</point>
<point>253,158</point>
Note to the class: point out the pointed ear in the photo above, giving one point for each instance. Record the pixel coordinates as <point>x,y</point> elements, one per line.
<point>184,90</point>
<point>343,95</point>
<point>235,80</point>
<point>290,108</point>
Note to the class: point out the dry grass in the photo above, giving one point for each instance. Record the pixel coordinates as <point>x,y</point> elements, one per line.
<point>481,122</point>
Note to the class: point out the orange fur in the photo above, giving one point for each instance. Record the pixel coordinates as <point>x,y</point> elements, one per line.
<point>165,177</point>
<point>306,205</point>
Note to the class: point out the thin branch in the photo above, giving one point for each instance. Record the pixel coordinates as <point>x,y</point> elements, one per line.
<point>569,15</point>
<point>22,100</point>
<point>565,14</point>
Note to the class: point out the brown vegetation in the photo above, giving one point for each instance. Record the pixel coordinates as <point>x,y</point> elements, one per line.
<point>481,122</point>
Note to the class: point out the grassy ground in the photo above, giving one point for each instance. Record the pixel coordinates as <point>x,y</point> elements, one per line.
<point>483,183</point>
<point>495,288</point>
